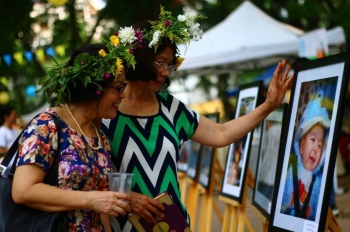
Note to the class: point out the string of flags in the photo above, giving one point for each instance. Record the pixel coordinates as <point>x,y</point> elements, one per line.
<point>29,55</point>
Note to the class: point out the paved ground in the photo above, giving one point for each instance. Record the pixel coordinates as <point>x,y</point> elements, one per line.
<point>343,203</point>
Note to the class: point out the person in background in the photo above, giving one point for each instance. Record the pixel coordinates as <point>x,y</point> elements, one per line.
<point>8,133</point>
<point>90,85</point>
<point>151,126</point>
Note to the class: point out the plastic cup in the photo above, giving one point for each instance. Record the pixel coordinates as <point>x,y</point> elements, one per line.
<point>120,182</point>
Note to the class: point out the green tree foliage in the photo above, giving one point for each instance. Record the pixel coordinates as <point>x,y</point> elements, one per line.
<point>16,35</point>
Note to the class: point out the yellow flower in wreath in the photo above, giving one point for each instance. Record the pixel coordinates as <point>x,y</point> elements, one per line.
<point>114,40</point>
<point>102,53</point>
<point>119,66</point>
<point>179,61</point>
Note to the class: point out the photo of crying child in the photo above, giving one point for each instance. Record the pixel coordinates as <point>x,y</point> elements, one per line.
<point>305,165</point>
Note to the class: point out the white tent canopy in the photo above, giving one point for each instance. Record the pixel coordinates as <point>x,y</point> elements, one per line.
<point>247,38</point>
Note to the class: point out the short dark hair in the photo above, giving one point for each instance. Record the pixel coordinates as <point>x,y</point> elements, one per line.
<point>78,93</point>
<point>6,110</point>
<point>144,57</point>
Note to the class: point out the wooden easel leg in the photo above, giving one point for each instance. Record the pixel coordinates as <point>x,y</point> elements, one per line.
<point>332,224</point>
<point>265,226</point>
<point>192,203</point>
<point>209,212</point>
<point>227,218</point>
<point>237,210</point>
<point>203,212</point>
<point>183,186</point>
<point>241,220</point>
<point>234,219</point>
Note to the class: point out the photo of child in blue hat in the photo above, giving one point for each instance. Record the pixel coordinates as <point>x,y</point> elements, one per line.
<point>305,167</point>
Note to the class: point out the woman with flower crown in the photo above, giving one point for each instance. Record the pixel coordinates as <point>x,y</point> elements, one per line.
<point>151,126</point>
<point>89,86</point>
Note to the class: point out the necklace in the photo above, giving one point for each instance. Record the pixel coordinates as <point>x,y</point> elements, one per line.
<point>154,105</point>
<point>82,132</point>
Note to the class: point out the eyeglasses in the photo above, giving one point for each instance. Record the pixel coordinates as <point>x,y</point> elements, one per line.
<point>120,89</point>
<point>171,68</point>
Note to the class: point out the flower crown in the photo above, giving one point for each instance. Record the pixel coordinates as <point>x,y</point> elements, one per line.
<point>179,30</point>
<point>88,69</point>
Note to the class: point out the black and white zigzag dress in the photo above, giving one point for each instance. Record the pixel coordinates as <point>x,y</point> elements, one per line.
<point>149,148</point>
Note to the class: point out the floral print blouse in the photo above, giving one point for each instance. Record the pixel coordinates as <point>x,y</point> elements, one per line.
<point>81,168</point>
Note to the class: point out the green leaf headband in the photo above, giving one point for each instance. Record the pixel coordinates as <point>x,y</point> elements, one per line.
<point>91,69</point>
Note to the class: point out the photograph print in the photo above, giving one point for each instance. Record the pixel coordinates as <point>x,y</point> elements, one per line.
<point>302,188</point>
<point>193,160</point>
<point>207,158</point>
<point>238,152</point>
<point>184,154</point>
<point>267,160</point>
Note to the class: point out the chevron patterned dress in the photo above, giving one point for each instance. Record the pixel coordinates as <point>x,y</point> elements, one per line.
<point>149,148</point>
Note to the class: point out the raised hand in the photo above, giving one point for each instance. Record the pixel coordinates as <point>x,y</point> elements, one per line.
<point>279,85</point>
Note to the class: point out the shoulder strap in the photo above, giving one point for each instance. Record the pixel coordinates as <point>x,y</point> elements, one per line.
<point>307,201</point>
<point>52,175</point>
<point>9,162</point>
<point>293,162</point>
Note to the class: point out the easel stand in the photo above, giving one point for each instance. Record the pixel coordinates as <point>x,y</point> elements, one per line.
<point>208,202</point>
<point>235,217</point>
<point>182,185</point>
<point>332,224</point>
<point>195,190</point>
<point>265,224</point>
<point>192,200</point>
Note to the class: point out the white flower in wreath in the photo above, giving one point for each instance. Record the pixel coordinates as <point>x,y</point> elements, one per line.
<point>127,35</point>
<point>155,38</point>
<point>181,18</point>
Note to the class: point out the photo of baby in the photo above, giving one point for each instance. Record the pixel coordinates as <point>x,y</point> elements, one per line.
<point>306,161</point>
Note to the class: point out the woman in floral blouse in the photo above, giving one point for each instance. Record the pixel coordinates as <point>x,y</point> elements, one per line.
<point>85,156</point>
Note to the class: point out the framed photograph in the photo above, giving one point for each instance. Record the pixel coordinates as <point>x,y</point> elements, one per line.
<point>237,161</point>
<point>184,154</point>
<point>207,158</point>
<point>194,160</point>
<point>303,183</point>
<point>269,150</point>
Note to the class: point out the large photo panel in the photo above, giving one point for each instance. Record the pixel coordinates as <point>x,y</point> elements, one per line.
<point>237,160</point>
<point>302,188</point>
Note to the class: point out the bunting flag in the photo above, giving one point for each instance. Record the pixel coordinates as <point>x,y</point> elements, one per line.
<point>29,56</point>
<point>7,59</point>
<point>18,56</point>
<point>50,51</point>
<point>4,81</point>
<point>61,50</point>
<point>40,54</point>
